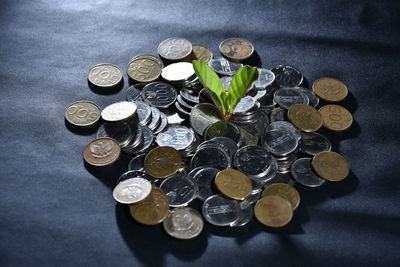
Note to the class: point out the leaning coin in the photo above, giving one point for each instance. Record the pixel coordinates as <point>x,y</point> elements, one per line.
<point>287,76</point>
<point>102,152</point>
<point>287,97</point>
<point>134,92</point>
<point>214,157</point>
<point>265,78</point>
<point>221,211</point>
<point>285,191</point>
<point>246,214</point>
<point>183,223</point>
<point>331,166</point>
<point>174,48</point>
<point>236,49</point>
<point>159,94</point>
<point>105,75</point>
<point>224,67</point>
<point>135,174</point>
<point>162,162</point>
<point>180,190</point>
<point>205,182</point>
<point>313,143</point>
<point>330,89</point>
<point>163,124</point>
<point>233,184</point>
<point>314,100</point>
<point>144,68</point>
<point>202,116</point>
<point>303,174</point>
<point>143,112</point>
<point>336,118</point>
<point>202,53</point>
<point>82,113</point>
<point>273,211</point>
<point>305,118</point>
<point>137,163</point>
<point>119,111</point>
<point>132,190</point>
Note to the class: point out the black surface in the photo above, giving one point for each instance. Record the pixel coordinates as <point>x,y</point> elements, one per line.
<point>54,210</point>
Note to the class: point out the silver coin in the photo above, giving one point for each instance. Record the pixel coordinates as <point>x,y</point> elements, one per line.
<point>120,132</point>
<point>313,143</point>
<point>174,48</point>
<point>132,190</point>
<point>163,124</point>
<point>183,223</point>
<point>188,96</point>
<point>245,104</point>
<point>180,190</point>
<point>245,214</point>
<point>313,99</point>
<point>252,160</point>
<point>287,97</point>
<point>254,196</point>
<point>288,126</point>
<point>279,141</point>
<point>137,136</point>
<point>183,103</point>
<point>226,143</point>
<point>159,94</point>
<point>137,163</point>
<point>135,174</point>
<point>265,78</point>
<point>287,76</point>
<point>134,92</point>
<point>278,114</point>
<point>148,138</point>
<point>174,118</point>
<point>119,111</point>
<point>303,174</point>
<point>224,67</point>
<point>181,110</point>
<point>155,118</point>
<point>202,116</point>
<point>144,112</point>
<point>214,157</point>
<point>178,72</point>
<point>204,176</point>
<point>223,128</point>
<point>221,211</point>
<point>226,81</point>
<point>178,137</point>
<point>257,94</point>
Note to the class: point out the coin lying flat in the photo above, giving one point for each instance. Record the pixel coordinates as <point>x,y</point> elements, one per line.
<point>331,166</point>
<point>330,89</point>
<point>180,190</point>
<point>159,94</point>
<point>102,152</point>
<point>162,161</point>
<point>144,68</point>
<point>336,118</point>
<point>82,113</point>
<point>183,223</point>
<point>221,211</point>
<point>174,48</point>
<point>273,211</point>
<point>236,49</point>
<point>132,190</point>
<point>285,191</point>
<point>178,72</point>
<point>202,53</point>
<point>233,184</point>
<point>178,137</point>
<point>105,75</point>
<point>303,174</point>
<point>305,118</point>
<point>119,111</point>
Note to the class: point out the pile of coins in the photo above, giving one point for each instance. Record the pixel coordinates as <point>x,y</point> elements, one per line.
<point>184,151</point>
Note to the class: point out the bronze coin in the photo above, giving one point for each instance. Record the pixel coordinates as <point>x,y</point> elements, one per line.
<point>273,211</point>
<point>202,53</point>
<point>236,49</point>
<point>102,151</point>
<point>336,118</point>
<point>162,161</point>
<point>285,191</point>
<point>233,184</point>
<point>330,89</point>
<point>105,75</point>
<point>82,113</point>
<point>305,117</point>
<point>144,68</point>
<point>331,166</point>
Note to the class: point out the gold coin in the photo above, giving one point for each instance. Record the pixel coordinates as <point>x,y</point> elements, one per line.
<point>102,151</point>
<point>82,113</point>
<point>305,117</point>
<point>162,161</point>
<point>273,211</point>
<point>336,118</point>
<point>331,166</point>
<point>105,75</point>
<point>144,68</point>
<point>202,53</point>
<point>236,49</point>
<point>285,191</point>
<point>152,210</point>
<point>330,89</point>
<point>233,184</point>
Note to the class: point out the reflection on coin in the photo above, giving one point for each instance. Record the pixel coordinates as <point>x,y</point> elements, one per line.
<point>180,190</point>
<point>330,89</point>
<point>287,97</point>
<point>105,75</point>
<point>303,174</point>
<point>252,160</point>
<point>183,223</point>
<point>121,133</point>
<point>82,113</point>
<point>287,76</point>
<point>273,211</point>
<point>221,211</point>
<point>202,116</point>
<point>233,184</point>
<point>224,67</point>
<point>134,91</point>
<point>279,139</point>
<point>102,152</point>
<point>135,174</point>
<point>331,166</point>
<point>202,53</point>
<point>152,210</point>
<point>174,48</point>
<point>305,118</point>
<point>265,78</point>
<point>162,162</point>
<point>223,128</point>
<point>119,111</point>
<point>178,72</point>
<point>159,94</point>
<point>313,143</point>
<point>178,137</point>
<point>144,68</point>
<point>236,49</point>
<point>285,191</point>
<point>214,157</point>
<point>314,100</point>
<point>336,118</point>
<point>245,216</point>
<point>132,190</point>
<point>143,112</point>
<point>205,181</point>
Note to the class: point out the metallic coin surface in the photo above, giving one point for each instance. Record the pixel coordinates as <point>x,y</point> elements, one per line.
<point>174,48</point>
<point>226,81</point>
<point>245,104</point>
<point>132,190</point>
<point>287,97</point>
<point>137,163</point>
<point>186,94</point>
<point>280,177</point>
<point>246,214</point>
<point>82,113</point>
<point>331,166</point>
<point>135,174</point>
<point>163,124</point>
<point>183,223</point>
<point>265,78</point>
<point>144,68</point>
<point>180,71</point>
<point>303,174</point>
<point>223,128</point>
<point>155,118</point>
<point>278,140</point>
<point>119,111</point>
<point>336,118</point>
<point>148,138</point>
<point>226,143</point>
<point>102,152</point>
<point>278,114</point>
<point>273,211</point>
<point>180,190</point>
<point>205,182</point>
<point>202,53</point>
<point>105,75</point>
<point>305,118</point>
<point>134,92</point>
<point>159,94</point>
<point>162,161</point>
<point>121,133</point>
<point>233,184</point>
<point>143,112</point>
<point>224,67</point>
<point>214,157</point>
<point>221,211</point>
<point>178,137</point>
<point>236,49</point>
<point>202,116</point>
<point>330,89</point>
<point>285,191</point>
<point>287,76</point>
<point>152,210</point>
<point>252,160</point>
<point>314,100</point>
<point>313,143</point>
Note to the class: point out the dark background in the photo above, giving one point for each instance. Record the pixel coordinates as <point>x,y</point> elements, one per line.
<point>55,211</point>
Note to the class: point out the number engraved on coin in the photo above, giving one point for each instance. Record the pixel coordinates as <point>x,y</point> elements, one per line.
<point>144,68</point>
<point>336,118</point>
<point>105,75</point>
<point>82,113</point>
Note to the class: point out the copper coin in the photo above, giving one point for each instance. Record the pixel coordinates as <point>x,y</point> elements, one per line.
<point>305,117</point>
<point>202,53</point>
<point>336,118</point>
<point>236,49</point>
<point>105,75</point>
<point>102,151</point>
<point>233,184</point>
<point>285,191</point>
<point>330,89</point>
<point>273,211</point>
<point>144,68</point>
<point>162,162</point>
<point>152,210</point>
<point>82,113</point>
<point>331,166</point>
